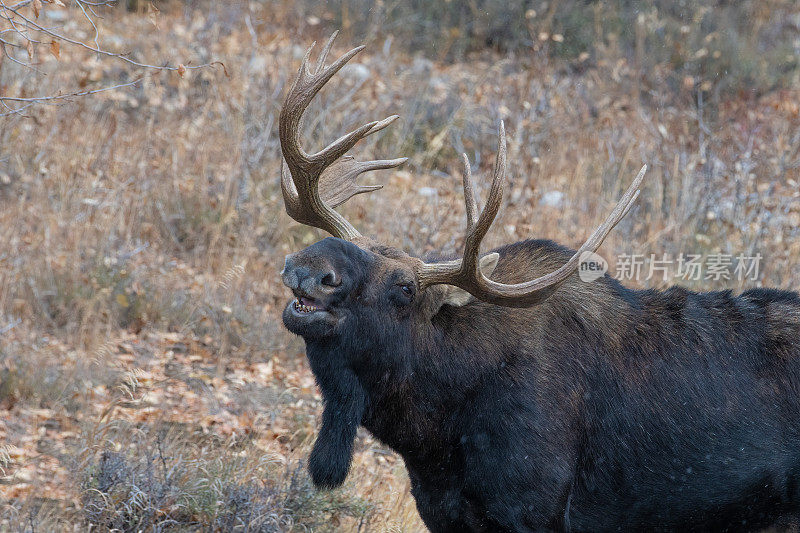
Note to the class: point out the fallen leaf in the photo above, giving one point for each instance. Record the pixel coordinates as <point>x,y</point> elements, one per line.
<point>122,300</point>
<point>37,7</point>
<point>55,49</point>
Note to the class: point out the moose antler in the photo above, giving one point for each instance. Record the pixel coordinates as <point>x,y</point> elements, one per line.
<point>316,183</point>
<point>465,273</point>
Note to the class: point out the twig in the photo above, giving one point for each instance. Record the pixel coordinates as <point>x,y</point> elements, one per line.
<point>54,98</point>
<point>94,26</point>
<point>70,95</point>
<point>11,325</point>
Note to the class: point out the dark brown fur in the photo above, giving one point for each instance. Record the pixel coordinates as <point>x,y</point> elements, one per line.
<point>601,409</point>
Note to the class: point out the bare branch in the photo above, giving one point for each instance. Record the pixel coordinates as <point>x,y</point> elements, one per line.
<point>23,33</point>
<point>55,97</point>
<point>69,95</point>
<point>91,21</point>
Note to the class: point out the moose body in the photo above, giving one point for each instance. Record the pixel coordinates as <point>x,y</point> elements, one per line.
<point>522,398</point>
<point>603,408</point>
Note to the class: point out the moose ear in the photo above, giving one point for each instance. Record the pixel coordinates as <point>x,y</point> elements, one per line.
<point>456,296</point>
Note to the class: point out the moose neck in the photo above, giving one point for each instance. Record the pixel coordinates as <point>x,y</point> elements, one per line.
<point>407,394</point>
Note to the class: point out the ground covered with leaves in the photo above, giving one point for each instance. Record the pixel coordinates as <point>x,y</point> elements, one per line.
<point>146,382</point>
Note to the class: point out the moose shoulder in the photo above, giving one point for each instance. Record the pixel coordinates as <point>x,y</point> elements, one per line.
<point>522,398</point>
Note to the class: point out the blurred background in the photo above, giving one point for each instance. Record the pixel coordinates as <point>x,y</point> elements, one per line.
<point>146,382</point>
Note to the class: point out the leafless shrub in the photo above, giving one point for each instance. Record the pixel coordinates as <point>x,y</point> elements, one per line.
<point>164,481</point>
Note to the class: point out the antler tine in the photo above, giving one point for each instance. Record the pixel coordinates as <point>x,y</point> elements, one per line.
<point>465,273</point>
<point>620,210</point>
<point>469,195</point>
<point>343,144</point>
<point>321,75</point>
<point>382,124</point>
<point>478,230</point>
<point>312,184</point>
<point>325,51</point>
<point>341,186</point>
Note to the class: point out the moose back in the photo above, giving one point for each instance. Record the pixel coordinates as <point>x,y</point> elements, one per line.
<point>522,398</point>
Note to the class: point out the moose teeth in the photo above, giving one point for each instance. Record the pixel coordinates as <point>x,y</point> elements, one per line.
<point>304,308</point>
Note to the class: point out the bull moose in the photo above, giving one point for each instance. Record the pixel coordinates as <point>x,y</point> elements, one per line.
<point>522,398</point>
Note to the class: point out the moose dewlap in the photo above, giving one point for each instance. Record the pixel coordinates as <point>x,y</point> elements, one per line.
<point>522,398</point>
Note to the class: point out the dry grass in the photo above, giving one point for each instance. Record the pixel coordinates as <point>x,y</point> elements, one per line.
<point>145,379</point>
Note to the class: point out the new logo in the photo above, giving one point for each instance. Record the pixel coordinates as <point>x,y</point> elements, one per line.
<point>591,267</point>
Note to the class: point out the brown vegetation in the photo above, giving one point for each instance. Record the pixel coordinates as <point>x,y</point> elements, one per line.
<point>145,379</point>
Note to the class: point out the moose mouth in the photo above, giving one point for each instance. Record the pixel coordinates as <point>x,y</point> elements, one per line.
<point>305,306</point>
<point>310,318</point>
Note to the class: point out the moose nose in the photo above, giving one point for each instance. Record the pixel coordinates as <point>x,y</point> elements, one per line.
<point>308,278</point>
<point>290,274</point>
<point>331,279</point>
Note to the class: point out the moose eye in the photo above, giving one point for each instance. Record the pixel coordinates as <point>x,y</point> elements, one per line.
<point>407,289</point>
